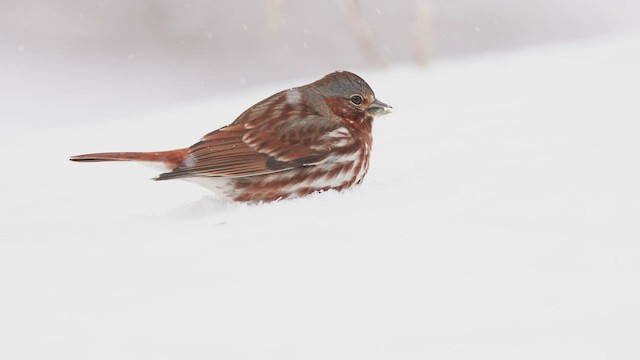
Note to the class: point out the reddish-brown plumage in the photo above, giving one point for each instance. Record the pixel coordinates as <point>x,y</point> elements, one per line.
<point>299,141</point>
<point>171,158</point>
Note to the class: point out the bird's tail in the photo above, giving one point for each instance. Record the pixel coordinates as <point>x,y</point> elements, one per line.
<point>171,158</point>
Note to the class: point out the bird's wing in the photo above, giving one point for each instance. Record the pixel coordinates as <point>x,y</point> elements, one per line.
<point>279,141</point>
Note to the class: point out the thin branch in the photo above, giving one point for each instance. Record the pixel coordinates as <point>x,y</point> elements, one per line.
<point>362,31</point>
<point>424,32</point>
<point>275,15</point>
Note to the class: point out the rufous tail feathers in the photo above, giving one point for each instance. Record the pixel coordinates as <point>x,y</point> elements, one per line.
<point>171,158</point>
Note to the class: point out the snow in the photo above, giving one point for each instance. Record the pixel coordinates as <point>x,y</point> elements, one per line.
<point>499,220</point>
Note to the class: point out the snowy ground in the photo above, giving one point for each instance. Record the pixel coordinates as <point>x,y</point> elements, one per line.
<point>499,221</point>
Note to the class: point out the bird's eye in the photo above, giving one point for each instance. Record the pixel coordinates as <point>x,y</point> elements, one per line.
<point>356,99</point>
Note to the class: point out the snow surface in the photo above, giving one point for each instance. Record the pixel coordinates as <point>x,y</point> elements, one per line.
<point>499,220</point>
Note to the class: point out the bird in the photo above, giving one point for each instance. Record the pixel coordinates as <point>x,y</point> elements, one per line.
<point>299,141</point>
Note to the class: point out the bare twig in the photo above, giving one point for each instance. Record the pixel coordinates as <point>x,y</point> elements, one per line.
<point>276,16</point>
<point>423,33</point>
<point>362,31</point>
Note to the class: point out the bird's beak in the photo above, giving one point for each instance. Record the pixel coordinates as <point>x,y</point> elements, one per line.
<point>378,108</point>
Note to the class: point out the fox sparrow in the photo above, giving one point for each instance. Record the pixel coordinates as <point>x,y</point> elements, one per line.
<point>299,141</point>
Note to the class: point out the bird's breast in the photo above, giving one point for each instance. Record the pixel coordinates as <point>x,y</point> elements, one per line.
<point>341,170</point>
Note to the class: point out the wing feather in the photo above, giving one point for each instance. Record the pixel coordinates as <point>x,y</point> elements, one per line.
<point>271,136</point>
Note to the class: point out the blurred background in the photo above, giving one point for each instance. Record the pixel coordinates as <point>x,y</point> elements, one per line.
<point>95,59</point>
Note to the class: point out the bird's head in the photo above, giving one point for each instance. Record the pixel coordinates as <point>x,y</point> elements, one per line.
<point>349,97</point>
